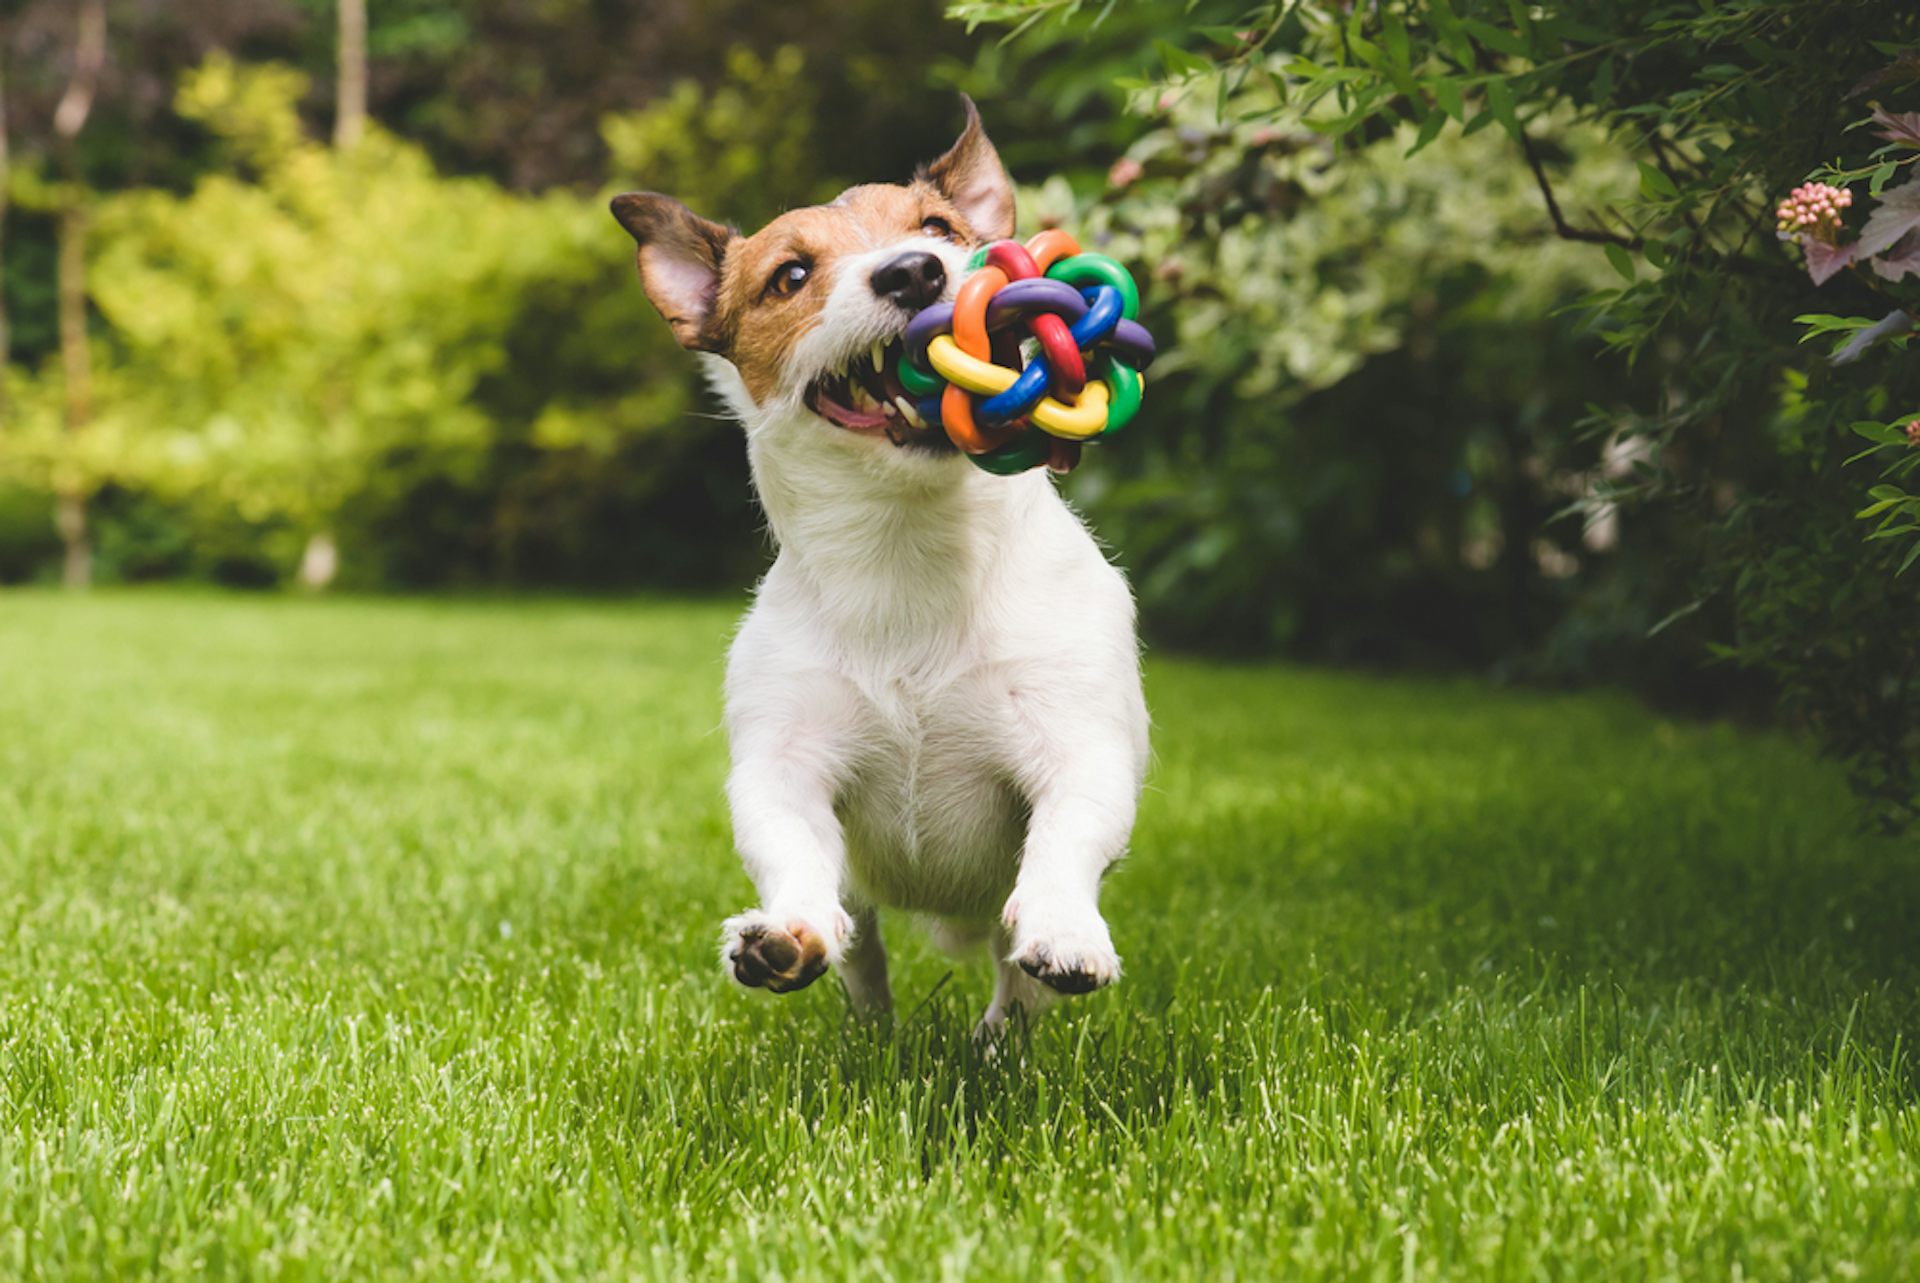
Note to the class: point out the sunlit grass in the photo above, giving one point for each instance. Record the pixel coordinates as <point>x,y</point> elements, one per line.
<point>347,939</point>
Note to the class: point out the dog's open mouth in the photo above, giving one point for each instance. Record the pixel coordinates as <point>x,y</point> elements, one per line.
<point>866,397</point>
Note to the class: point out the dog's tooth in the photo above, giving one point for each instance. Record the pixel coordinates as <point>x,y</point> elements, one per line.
<point>907,412</point>
<point>879,362</point>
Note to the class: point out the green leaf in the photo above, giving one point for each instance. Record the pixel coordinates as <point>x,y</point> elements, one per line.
<point>1494,38</point>
<point>1655,185</point>
<point>1393,38</point>
<point>1181,62</point>
<point>1451,33</point>
<point>1819,323</point>
<point>1603,82</point>
<point>1446,93</point>
<point>1880,433</point>
<point>1621,260</point>
<point>1429,130</point>
<point>1500,103</point>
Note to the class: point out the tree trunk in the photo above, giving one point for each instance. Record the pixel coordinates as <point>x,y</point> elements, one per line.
<point>69,118</point>
<point>350,110</point>
<point>76,364</point>
<point>6,174</point>
<point>320,562</point>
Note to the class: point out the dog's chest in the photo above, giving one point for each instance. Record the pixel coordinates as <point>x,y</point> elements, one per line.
<point>932,819</point>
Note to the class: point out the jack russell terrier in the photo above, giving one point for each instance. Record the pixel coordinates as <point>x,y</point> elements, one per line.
<point>934,704</point>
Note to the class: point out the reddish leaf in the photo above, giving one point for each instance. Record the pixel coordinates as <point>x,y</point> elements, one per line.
<point>1897,262</point>
<point>1823,260</point>
<point>1903,128</point>
<point>1902,68</point>
<point>1898,214</point>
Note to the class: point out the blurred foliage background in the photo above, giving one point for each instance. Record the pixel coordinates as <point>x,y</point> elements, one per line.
<point>1409,414</point>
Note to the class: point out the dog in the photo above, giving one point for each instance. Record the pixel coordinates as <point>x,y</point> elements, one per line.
<point>934,704</point>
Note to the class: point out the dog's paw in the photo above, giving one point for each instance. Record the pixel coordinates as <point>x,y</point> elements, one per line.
<point>1070,954</point>
<point>764,952</point>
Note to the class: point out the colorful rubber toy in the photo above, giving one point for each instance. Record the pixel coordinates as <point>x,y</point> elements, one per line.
<point>1008,410</point>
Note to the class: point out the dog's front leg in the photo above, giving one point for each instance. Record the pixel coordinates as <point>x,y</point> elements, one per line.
<point>781,791</point>
<point>1083,788</point>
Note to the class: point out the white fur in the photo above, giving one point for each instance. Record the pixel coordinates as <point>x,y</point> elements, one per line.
<point>934,704</point>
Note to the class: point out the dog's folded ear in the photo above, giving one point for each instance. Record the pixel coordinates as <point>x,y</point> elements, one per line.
<point>972,177</point>
<point>680,256</point>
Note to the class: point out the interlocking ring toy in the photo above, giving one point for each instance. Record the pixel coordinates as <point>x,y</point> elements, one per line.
<point>1009,411</point>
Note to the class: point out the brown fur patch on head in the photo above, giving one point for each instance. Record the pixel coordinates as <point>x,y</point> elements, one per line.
<point>761,326</point>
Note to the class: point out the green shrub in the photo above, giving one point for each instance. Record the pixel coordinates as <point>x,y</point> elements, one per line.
<point>1723,450</point>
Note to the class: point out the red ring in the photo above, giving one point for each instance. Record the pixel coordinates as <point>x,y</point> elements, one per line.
<point>1069,372</point>
<point>1012,258</point>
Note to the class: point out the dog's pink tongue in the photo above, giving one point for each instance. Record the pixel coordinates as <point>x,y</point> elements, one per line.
<point>848,417</point>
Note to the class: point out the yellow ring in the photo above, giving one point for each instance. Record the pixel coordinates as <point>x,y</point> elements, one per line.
<point>1074,422</point>
<point>969,372</point>
<point>1070,422</point>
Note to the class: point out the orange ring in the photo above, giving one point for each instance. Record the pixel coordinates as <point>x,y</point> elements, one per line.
<point>970,312</point>
<point>970,336</point>
<point>956,415</point>
<point>1054,243</point>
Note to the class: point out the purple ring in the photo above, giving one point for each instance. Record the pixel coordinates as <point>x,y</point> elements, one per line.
<point>1131,341</point>
<point>926,323</point>
<point>1035,294</point>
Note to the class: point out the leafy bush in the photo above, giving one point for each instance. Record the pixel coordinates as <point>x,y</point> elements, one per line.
<point>442,373</point>
<point>1721,465</point>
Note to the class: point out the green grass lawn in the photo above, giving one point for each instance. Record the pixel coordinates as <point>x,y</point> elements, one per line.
<point>353,939</point>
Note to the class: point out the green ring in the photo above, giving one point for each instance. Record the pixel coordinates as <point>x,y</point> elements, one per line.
<point>978,259</point>
<point>917,381</point>
<point>1126,388</point>
<point>1028,450</point>
<point>1098,269</point>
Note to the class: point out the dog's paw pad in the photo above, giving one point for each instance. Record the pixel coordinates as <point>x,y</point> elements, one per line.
<point>783,959</point>
<point>1069,970</point>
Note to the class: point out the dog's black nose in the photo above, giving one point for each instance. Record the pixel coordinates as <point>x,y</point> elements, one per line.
<point>913,280</point>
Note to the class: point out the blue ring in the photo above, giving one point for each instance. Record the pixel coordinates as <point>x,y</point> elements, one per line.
<point>1026,392</point>
<point>1101,317</point>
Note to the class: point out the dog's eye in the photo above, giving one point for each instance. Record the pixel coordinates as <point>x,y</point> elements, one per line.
<point>937,226</point>
<point>788,277</point>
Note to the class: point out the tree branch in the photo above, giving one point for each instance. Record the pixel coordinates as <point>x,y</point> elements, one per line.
<point>89,56</point>
<point>350,107</point>
<point>1665,162</point>
<point>1561,228</point>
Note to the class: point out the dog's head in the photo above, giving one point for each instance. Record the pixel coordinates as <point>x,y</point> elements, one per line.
<point>809,310</point>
